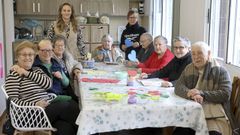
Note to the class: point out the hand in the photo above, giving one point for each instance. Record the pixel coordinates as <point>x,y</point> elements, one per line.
<point>77,73</point>
<point>143,76</point>
<point>193,92</point>
<point>19,70</point>
<point>42,103</point>
<point>135,45</point>
<point>166,84</point>
<point>57,75</point>
<point>100,57</point>
<point>198,98</point>
<point>124,47</point>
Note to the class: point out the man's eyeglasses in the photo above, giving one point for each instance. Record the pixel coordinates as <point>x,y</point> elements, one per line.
<point>45,51</point>
<point>178,47</point>
<point>27,55</point>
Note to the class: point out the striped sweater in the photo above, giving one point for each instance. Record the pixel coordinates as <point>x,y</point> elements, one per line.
<point>27,90</point>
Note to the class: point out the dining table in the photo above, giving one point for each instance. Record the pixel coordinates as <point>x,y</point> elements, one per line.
<point>109,104</point>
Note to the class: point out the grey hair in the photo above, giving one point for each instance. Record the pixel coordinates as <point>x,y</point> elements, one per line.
<point>162,38</point>
<point>182,39</point>
<point>107,36</point>
<point>204,46</point>
<point>59,37</point>
<point>148,35</point>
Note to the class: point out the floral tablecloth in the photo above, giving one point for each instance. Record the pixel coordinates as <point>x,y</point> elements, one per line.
<point>99,115</point>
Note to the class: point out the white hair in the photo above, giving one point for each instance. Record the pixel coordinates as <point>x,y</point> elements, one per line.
<point>204,46</point>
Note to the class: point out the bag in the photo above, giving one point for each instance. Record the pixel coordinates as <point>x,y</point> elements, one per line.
<point>8,129</point>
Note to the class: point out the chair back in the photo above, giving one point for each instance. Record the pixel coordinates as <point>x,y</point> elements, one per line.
<point>235,96</point>
<point>28,118</point>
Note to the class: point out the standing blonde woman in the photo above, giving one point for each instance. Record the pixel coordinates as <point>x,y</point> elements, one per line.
<point>66,25</point>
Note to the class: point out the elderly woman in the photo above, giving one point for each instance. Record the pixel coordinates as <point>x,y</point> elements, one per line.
<point>72,68</point>
<point>209,84</point>
<point>28,86</point>
<point>107,52</point>
<point>172,71</point>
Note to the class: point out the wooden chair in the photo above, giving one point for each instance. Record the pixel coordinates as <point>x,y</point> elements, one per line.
<point>233,109</point>
<point>28,118</point>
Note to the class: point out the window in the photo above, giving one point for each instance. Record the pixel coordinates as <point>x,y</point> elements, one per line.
<point>234,34</point>
<point>224,30</point>
<point>162,18</point>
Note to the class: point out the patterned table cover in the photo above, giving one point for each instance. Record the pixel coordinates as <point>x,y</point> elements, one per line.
<point>104,116</point>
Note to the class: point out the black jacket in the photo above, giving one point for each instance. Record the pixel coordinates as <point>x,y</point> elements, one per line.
<point>173,69</point>
<point>132,32</point>
<point>143,56</point>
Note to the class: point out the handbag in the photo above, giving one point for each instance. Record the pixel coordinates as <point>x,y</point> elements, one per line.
<point>7,128</point>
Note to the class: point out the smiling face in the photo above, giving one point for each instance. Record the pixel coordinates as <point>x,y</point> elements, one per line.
<point>199,56</point>
<point>25,58</point>
<point>45,51</point>
<point>59,47</point>
<point>180,49</point>
<point>133,18</point>
<point>160,46</point>
<point>66,12</point>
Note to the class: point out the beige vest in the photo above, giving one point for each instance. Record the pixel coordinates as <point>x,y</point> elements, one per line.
<point>71,41</point>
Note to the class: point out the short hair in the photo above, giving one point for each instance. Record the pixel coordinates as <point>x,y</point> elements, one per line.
<point>59,37</point>
<point>43,41</point>
<point>162,38</point>
<point>148,35</point>
<point>107,36</point>
<point>204,46</point>
<point>182,39</point>
<point>131,12</point>
<point>24,44</point>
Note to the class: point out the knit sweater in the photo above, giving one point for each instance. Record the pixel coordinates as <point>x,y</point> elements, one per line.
<point>27,90</point>
<point>173,69</point>
<point>154,63</point>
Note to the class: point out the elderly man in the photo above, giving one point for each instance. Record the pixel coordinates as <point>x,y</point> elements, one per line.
<point>51,67</point>
<point>159,58</point>
<point>172,71</point>
<point>209,84</point>
<point>107,52</point>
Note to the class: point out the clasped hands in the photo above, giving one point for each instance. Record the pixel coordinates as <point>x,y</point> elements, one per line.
<point>195,95</point>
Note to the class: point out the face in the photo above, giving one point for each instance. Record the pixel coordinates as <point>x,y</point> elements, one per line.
<point>180,49</point>
<point>66,12</point>
<point>199,57</point>
<point>160,47</point>
<point>45,51</point>
<point>26,58</point>
<point>132,19</point>
<point>107,43</point>
<point>144,41</point>
<point>59,47</point>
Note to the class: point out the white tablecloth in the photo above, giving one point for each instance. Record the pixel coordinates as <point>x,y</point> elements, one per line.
<point>103,116</point>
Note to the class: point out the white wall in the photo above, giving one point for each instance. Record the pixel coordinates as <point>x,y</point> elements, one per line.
<point>193,19</point>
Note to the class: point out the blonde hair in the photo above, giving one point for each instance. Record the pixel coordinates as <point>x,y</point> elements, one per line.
<point>23,45</point>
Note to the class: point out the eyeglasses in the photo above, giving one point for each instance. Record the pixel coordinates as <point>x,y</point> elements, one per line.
<point>59,46</point>
<point>46,51</point>
<point>133,17</point>
<point>178,47</point>
<point>27,55</point>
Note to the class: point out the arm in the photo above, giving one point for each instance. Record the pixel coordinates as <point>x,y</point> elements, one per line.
<point>122,43</point>
<point>50,32</point>
<point>180,87</point>
<point>80,43</point>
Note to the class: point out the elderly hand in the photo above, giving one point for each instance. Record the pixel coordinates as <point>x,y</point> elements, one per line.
<point>166,84</point>
<point>143,75</point>
<point>42,103</point>
<point>193,92</point>
<point>57,75</point>
<point>135,45</point>
<point>198,98</point>
<point>19,70</point>
<point>124,47</point>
